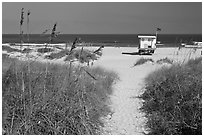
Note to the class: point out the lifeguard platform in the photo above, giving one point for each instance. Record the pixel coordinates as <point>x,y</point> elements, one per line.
<point>147,44</point>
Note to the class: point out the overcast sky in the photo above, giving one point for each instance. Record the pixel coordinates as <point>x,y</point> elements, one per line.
<point>106,18</point>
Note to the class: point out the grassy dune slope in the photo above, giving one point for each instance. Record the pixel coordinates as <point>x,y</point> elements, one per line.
<point>56,99</point>
<point>173,99</point>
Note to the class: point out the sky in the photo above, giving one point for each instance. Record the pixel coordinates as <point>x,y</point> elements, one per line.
<point>105,17</point>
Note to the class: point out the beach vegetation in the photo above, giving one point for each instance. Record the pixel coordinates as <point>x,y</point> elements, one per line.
<point>57,55</point>
<point>10,49</point>
<point>165,60</point>
<point>142,61</point>
<point>82,55</point>
<point>173,99</point>
<point>49,99</point>
<point>45,50</point>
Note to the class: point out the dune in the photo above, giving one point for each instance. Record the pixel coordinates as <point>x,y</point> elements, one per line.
<point>126,117</point>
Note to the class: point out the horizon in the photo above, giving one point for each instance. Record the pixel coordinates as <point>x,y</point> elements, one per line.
<point>108,34</point>
<point>104,38</point>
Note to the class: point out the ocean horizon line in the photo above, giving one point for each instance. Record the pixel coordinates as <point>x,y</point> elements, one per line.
<point>107,34</point>
<point>99,38</point>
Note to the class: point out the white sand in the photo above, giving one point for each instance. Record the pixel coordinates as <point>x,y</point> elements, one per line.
<point>127,118</point>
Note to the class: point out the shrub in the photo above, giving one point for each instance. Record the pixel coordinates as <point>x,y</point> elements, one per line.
<point>57,55</point>
<point>173,99</point>
<point>82,55</point>
<point>48,99</point>
<point>9,49</point>
<point>26,50</point>
<point>44,50</point>
<point>142,61</point>
<point>165,60</point>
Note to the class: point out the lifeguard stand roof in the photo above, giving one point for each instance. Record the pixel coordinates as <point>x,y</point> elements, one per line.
<point>142,36</point>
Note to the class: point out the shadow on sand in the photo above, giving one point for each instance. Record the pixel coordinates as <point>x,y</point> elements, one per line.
<point>134,53</point>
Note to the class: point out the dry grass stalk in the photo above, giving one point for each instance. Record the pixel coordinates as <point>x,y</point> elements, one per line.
<point>28,14</point>
<point>21,23</point>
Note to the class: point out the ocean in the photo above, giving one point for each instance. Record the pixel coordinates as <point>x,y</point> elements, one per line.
<point>106,39</point>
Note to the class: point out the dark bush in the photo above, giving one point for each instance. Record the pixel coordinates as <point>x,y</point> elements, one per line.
<point>142,61</point>
<point>9,49</point>
<point>57,55</point>
<point>44,50</point>
<point>82,55</point>
<point>165,60</point>
<point>26,50</point>
<point>173,99</point>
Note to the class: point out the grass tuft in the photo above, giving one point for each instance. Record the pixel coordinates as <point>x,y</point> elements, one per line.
<point>165,60</point>
<point>26,50</point>
<point>44,50</point>
<point>82,55</point>
<point>9,49</point>
<point>57,55</point>
<point>142,61</point>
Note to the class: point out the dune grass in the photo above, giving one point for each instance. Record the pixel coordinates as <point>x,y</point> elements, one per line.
<point>165,60</point>
<point>83,55</point>
<point>142,61</point>
<point>48,99</point>
<point>27,50</point>
<point>44,50</point>
<point>58,55</point>
<point>173,99</point>
<point>10,49</point>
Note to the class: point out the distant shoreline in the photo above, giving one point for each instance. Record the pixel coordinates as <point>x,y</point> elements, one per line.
<point>109,34</point>
<point>88,45</point>
<point>105,39</point>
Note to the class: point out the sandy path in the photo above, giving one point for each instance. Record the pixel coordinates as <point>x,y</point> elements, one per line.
<point>126,118</point>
